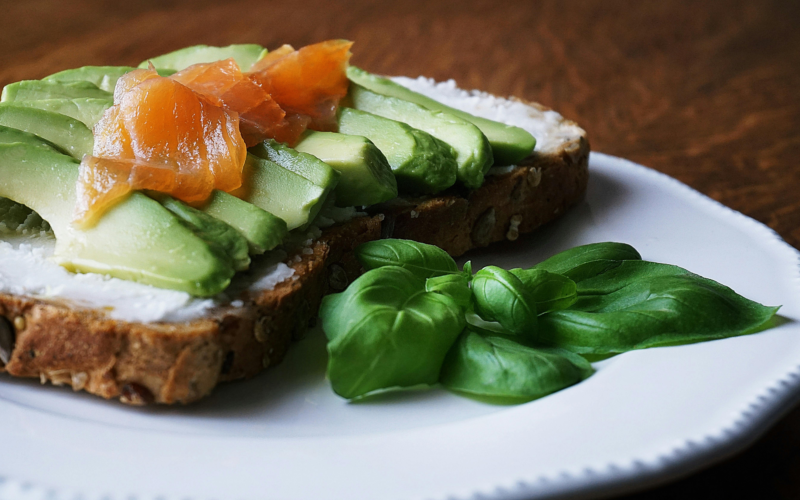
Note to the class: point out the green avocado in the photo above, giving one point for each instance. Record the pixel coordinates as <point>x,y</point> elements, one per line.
<point>262,230</point>
<point>420,162</point>
<point>12,135</point>
<point>473,152</point>
<point>68,134</point>
<point>366,177</point>
<point>244,55</point>
<point>33,90</point>
<point>86,110</point>
<point>105,77</point>
<point>281,192</point>
<point>137,239</point>
<point>211,230</point>
<point>304,164</point>
<point>509,144</point>
<point>12,214</point>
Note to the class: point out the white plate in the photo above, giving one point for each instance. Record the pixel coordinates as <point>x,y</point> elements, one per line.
<point>643,417</point>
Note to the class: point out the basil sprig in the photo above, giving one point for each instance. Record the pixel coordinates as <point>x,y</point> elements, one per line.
<point>514,336</point>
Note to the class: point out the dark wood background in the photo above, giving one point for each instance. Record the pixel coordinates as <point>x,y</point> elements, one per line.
<point>708,92</point>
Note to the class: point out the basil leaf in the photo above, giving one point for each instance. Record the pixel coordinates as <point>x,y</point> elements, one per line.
<point>550,291</point>
<point>466,269</point>
<point>581,262</point>
<point>640,304</point>
<point>425,261</point>
<point>386,331</point>
<point>500,296</point>
<point>455,286</point>
<point>491,366</point>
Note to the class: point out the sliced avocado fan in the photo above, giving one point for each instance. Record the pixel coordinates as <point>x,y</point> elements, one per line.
<point>420,162</point>
<point>473,151</point>
<point>509,144</point>
<point>137,239</point>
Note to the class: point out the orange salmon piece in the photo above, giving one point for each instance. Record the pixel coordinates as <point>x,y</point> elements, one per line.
<point>162,136</point>
<point>310,81</point>
<point>260,117</point>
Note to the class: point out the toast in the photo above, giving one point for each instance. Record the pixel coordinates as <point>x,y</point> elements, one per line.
<point>181,362</point>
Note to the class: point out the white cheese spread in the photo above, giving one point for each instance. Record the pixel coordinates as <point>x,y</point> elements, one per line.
<point>26,270</point>
<point>548,127</point>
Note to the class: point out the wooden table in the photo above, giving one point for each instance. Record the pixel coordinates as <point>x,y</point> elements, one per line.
<point>708,92</point>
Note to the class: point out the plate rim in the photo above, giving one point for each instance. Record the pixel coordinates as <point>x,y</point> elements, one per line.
<point>771,402</point>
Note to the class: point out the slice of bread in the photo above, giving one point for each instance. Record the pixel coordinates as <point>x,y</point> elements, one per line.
<point>141,363</point>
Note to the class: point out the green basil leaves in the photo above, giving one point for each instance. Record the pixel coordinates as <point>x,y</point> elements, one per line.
<point>640,304</point>
<point>425,261</point>
<point>585,261</point>
<point>491,366</point>
<point>550,291</point>
<point>386,331</point>
<point>455,286</point>
<point>502,297</point>
<point>529,331</point>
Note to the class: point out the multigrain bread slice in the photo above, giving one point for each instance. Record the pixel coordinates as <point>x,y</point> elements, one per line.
<point>141,363</point>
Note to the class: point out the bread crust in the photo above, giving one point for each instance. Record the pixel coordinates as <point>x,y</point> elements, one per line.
<point>183,362</point>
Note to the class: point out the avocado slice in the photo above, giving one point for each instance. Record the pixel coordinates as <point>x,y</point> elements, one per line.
<point>510,144</point>
<point>12,214</point>
<point>366,177</point>
<point>420,162</point>
<point>105,77</point>
<point>10,135</point>
<point>304,164</point>
<point>281,192</point>
<point>473,152</point>
<point>137,239</point>
<point>262,230</point>
<point>68,134</point>
<point>210,229</point>
<point>31,90</point>
<point>244,55</point>
<point>86,110</point>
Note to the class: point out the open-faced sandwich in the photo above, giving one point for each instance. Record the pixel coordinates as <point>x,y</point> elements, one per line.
<point>169,227</point>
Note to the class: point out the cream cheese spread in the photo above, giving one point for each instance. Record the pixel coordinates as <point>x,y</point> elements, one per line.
<point>548,127</point>
<point>25,268</point>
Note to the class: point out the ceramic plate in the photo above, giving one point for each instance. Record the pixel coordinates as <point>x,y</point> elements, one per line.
<point>645,416</point>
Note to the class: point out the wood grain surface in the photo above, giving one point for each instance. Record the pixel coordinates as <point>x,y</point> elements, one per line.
<point>707,92</point>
